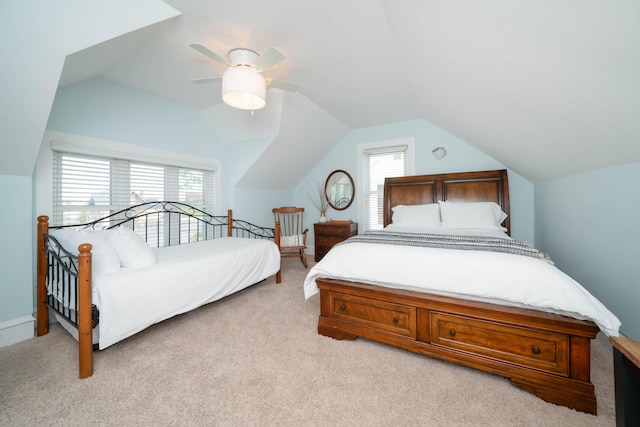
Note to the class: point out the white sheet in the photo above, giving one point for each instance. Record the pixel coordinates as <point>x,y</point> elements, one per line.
<point>184,278</point>
<point>498,278</point>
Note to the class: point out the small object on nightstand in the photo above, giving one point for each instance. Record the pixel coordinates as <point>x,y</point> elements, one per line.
<point>328,234</point>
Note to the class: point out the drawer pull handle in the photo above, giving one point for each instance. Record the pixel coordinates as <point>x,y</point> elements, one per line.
<point>535,349</point>
<point>343,307</point>
<point>452,332</point>
<point>396,320</point>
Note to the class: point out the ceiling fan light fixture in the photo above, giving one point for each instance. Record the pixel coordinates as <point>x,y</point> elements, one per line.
<point>244,88</point>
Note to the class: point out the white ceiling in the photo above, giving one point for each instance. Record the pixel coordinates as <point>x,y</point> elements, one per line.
<point>547,88</point>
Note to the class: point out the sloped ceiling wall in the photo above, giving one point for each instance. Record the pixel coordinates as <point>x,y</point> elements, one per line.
<point>549,89</point>
<point>37,37</point>
<point>307,133</point>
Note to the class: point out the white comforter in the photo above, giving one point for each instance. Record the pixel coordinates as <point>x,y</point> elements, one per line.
<point>498,278</point>
<point>184,278</point>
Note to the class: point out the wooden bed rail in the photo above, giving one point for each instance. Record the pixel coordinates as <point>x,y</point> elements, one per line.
<point>84,297</point>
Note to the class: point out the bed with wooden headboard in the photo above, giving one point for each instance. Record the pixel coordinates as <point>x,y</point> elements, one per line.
<point>544,353</point>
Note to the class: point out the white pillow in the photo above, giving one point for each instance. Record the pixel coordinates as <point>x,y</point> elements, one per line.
<point>132,250</point>
<point>104,258</point>
<point>288,241</point>
<point>67,238</point>
<point>423,216</point>
<point>486,215</point>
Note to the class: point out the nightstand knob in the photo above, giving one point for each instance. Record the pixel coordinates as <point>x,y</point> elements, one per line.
<point>396,320</point>
<point>535,349</point>
<point>343,307</point>
<point>452,332</point>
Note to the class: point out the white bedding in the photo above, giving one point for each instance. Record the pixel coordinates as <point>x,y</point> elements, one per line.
<point>184,278</point>
<point>493,277</point>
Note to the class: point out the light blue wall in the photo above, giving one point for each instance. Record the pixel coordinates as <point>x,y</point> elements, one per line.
<point>99,108</point>
<point>103,109</point>
<point>16,228</point>
<point>589,225</point>
<point>250,204</point>
<point>460,157</point>
<point>255,204</point>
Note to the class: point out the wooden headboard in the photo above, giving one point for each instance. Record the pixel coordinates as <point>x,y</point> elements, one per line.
<point>485,186</point>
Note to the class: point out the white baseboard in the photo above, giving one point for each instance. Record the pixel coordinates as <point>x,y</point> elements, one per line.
<point>17,329</point>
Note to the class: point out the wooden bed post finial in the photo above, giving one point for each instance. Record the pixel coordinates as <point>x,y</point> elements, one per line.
<point>42,317</point>
<point>229,223</point>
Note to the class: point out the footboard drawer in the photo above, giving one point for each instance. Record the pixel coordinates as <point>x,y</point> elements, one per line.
<point>382,316</point>
<point>546,351</point>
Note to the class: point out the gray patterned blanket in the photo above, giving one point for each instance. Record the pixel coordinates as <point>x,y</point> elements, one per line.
<point>446,241</point>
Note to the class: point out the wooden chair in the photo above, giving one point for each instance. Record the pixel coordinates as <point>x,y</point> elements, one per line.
<point>293,235</point>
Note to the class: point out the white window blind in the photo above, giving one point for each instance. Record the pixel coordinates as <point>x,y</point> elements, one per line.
<point>147,183</point>
<point>379,164</point>
<point>90,187</point>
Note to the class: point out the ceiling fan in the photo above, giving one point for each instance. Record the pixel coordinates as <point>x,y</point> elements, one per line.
<point>243,85</point>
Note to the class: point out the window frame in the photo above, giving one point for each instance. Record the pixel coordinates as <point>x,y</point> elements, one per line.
<point>80,145</point>
<point>362,151</point>
<point>116,185</point>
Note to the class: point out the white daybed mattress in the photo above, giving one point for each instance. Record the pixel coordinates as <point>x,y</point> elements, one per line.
<point>498,278</point>
<point>185,277</point>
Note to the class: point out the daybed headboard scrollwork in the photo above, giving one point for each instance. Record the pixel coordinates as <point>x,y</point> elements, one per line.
<point>166,223</point>
<point>484,186</point>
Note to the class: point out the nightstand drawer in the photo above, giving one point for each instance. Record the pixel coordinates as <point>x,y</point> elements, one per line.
<point>335,231</point>
<point>321,251</point>
<point>329,241</point>
<point>328,234</point>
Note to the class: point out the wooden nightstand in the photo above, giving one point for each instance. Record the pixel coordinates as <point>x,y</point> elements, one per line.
<point>327,234</point>
<point>626,371</point>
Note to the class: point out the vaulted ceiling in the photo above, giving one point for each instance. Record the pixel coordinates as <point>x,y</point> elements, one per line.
<point>547,88</point>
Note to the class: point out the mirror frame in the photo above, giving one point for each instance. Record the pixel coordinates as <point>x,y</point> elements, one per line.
<point>326,189</point>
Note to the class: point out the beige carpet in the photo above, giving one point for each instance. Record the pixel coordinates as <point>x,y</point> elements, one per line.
<point>255,358</point>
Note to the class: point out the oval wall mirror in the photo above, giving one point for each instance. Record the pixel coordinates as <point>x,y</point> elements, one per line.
<point>339,190</point>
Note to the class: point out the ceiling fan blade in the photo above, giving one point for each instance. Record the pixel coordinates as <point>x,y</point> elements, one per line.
<point>206,80</point>
<point>279,84</point>
<point>208,53</point>
<point>269,59</point>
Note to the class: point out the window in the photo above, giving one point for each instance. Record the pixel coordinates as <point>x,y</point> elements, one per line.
<point>377,162</point>
<point>88,187</point>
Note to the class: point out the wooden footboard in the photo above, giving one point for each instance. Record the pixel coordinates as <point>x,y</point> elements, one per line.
<point>545,354</point>
<point>56,267</point>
